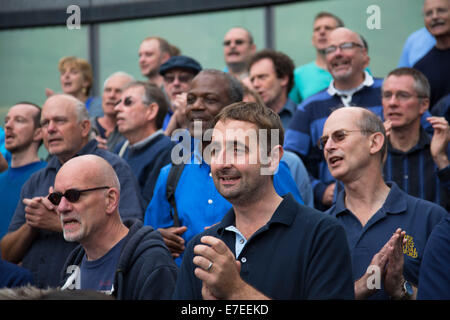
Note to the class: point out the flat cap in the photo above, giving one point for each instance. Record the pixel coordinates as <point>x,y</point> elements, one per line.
<point>182,62</point>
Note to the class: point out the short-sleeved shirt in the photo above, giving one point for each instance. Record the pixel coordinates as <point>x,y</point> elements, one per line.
<point>415,216</point>
<point>300,253</point>
<point>11,182</point>
<point>46,255</point>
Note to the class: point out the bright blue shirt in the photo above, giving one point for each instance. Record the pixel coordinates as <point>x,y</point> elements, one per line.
<point>11,182</point>
<point>198,202</point>
<point>434,280</point>
<point>415,216</point>
<point>308,80</point>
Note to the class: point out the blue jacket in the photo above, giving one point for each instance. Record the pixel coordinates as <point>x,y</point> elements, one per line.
<point>145,270</point>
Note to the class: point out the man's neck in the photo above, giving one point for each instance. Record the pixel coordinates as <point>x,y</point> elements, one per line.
<point>365,196</point>
<point>104,240</point>
<point>253,214</point>
<point>320,60</point>
<point>108,122</point>
<point>135,137</point>
<point>63,158</point>
<point>443,42</point>
<point>238,69</point>
<point>279,103</point>
<point>24,157</point>
<point>404,139</point>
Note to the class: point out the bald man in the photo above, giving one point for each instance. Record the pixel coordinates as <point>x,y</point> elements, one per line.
<point>387,229</point>
<point>347,58</point>
<point>34,235</point>
<point>124,259</point>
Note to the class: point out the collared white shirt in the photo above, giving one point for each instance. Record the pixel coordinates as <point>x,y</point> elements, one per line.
<point>346,95</point>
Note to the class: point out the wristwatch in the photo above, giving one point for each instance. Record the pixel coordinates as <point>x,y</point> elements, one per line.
<point>407,291</point>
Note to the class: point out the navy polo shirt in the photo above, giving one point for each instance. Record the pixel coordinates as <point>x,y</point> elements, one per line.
<point>300,253</point>
<point>415,216</point>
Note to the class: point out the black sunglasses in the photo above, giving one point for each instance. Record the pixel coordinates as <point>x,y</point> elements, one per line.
<point>72,195</point>
<point>238,42</point>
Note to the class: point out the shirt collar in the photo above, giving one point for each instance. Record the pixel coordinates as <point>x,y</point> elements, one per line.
<point>423,143</point>
<point>88,148</point>
<point>346,95</point>
<point>145,142</point>
<point>284,214</point>
<point>289,107</point>
<point>395,202</point>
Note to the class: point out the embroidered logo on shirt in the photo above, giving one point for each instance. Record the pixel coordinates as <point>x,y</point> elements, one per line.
<point>409,248</point>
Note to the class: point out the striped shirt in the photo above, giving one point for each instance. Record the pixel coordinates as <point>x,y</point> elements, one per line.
<point>416,173</point>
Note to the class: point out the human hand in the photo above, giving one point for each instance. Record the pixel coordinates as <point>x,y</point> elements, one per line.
<point>393,275</point>
<point>173,240</point>
<point>439,141</point>
<point>101,142</point>
<point>217,268</point>
<point>41,213</point>
<point>327,198</point>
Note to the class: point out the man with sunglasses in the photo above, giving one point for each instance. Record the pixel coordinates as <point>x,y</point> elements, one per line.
<point>119,258</point>
<point>35,231</point>
<point>417,162</point>
<point>346,58</point>
<point>177,73</point>
<point>238,47</point>
<point>387,229</point>
<point>140,116</point>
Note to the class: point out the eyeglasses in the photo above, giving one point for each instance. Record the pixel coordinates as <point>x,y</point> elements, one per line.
<point>399,95</point>
<point>238,42</point>
<point>126,102</point>
<point>183,78</point>
<point>342,46</point>
<point>337,136</point>
<point>72,195</point>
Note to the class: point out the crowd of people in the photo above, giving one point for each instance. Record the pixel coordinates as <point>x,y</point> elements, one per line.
<point>259,181</point>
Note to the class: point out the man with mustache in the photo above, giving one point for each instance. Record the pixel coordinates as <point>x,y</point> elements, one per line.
<point>266,246</point>
<point>417,162</point>
<point>346,58</point>
<point>34,235</point>
<point>238,47</point>
<point>23,137</point>
<point>435,65</point>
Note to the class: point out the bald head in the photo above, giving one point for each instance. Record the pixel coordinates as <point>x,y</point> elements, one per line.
<point>92,169</point>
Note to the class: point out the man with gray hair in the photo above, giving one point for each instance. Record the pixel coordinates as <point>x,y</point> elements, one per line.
<point>140,116</point>
<point>105,127</point>
<point>34,236</point>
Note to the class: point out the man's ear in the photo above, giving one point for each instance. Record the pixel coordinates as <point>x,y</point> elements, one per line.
<point>112,200</point>
<point>151,111</point>
<point>37,137</point>
<point>274,158</point>
<point>424,104</point>
<point>376,142</point>
<point>85,128</point>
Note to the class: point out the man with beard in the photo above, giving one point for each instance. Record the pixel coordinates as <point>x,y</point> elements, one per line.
<point>347,58</point>
<point>266,246</point>
<point>23,136</point>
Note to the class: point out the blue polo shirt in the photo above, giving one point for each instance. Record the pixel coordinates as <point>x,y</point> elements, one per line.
<point>400,210</point>
<point>300,253</point>
<point>47,253</point>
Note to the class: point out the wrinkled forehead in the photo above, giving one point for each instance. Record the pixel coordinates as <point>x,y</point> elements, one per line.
<point>341,35</point>
<point>209,83</point>
<point>237,33</point>
<point>343,118</point>
<point>58,106</point>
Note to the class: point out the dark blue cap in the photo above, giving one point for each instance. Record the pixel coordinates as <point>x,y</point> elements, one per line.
<point>182,62</point>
